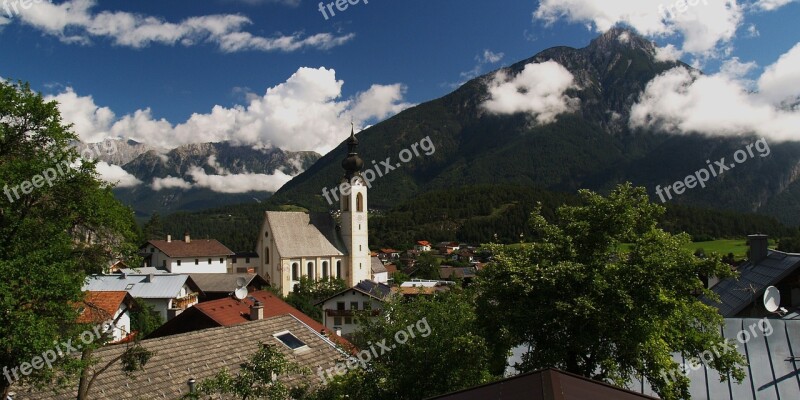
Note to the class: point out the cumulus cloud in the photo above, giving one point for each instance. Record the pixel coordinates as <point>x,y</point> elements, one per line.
<point>683,101</point>
<point>76,21</point>
<point>170,182</point>
<point>114,174</point>
<point>703,27</point>
<point>307,112</point>
<point>238,183</point>
<point>538,90</point>
<point>769,5</point>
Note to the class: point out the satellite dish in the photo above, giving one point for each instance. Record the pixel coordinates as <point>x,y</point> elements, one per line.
<point>772,299</point>
<point>240,293</point>
<point>240,282</point>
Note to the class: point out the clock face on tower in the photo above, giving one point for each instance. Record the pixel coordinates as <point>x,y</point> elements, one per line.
<point>360,218</point>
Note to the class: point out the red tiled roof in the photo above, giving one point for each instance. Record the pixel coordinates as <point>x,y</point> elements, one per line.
<point>423,243</point>
<point>391,268</point>
<point>230,311</point>
<point>389,251</point>
<point>195,248</point>
<point>100,306</point>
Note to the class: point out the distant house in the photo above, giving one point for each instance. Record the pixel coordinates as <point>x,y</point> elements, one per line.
<point>416,287</point>
<point>231,311</point>
<point>547,384</point>
<point>187,256</point>
<point>422,246</point>
<point>218,286</point>
<point>447,247</point>
<point>379,272</point>
<point>389,254</point>
<point>111,309</point>
<point>245,263</point>
<point>740,296</point>
<point>447,272</point>
<point>200,355</point>
<point>339,310</point>
<point>169,294</point>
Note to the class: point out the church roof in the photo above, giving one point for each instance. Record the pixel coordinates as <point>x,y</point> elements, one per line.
<point>299,234</point>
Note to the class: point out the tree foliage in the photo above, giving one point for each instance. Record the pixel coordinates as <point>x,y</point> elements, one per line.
<point>309,291</point>
<point>585,307</point>
<point>258,378</point>
<point>52,232</point>
<point>433,348</point>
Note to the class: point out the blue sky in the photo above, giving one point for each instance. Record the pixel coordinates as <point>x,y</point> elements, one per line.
<point>148,66</point>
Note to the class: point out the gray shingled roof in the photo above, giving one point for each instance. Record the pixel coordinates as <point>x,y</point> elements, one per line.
<point>377,266</point>
<point>163,286</point>
<point>737,294</point>
<point>200,355</point>
<point>774,364</point>
<point>299,234</point>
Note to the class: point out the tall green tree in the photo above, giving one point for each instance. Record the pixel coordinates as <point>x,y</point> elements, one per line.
<point>58,221</point>
<point>425,346</point>
<point>427,266</point>
<point>309,291</point>
<point>585,307</point>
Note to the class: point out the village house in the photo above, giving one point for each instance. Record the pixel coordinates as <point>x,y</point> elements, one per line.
<point>422,246</point>
<point>339,310</point>
<point>169,294</point>
<point>186,256</point>
<point>111,309</point>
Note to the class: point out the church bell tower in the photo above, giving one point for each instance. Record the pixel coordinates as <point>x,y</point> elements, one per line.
<point>354,212</point>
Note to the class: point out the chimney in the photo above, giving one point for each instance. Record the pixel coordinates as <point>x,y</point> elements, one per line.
<point>186,237</point>
<point>256,311</point>
<point>151,277</point>
<point>169,238</point>
<point>758,248</point>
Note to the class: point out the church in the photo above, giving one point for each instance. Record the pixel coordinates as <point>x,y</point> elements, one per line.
<point>292,245</point>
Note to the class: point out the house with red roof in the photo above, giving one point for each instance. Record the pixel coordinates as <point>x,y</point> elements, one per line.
<point>109,310</point>
<point>422,245</point>
<point>231,311</point>
<point>187,256</point>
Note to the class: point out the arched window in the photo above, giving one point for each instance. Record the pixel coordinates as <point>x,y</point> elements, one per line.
<point>339,269</point>
<point>345,203</point>
<point>359,202</point>
<point>311,270</point>
<point>266,255</point>
<point>295,271</point>
<point>324,270</point>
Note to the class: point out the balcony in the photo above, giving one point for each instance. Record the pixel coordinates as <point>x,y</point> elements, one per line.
<point>185,301</point>
<point>350,313</point>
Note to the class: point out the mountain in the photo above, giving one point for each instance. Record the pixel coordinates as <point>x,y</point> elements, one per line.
<point>592,147</point>
<point>199,161</point>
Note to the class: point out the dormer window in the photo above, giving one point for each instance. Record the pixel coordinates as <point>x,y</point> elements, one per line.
<point>289,340</point>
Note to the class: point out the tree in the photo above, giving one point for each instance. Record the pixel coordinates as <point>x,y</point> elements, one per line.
<point>153,228</point>
<point>144,318</point>
<point>308,291</point>
<point>257,378</point>
<point>423,347</point>
<point>427,266</point>
<point>587,308</point>
<point>58,221</point>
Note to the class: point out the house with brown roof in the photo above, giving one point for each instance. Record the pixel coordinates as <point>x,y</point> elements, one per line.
<point>231,311</point>
<point>422,246</point>
<point>187,256</point>
<point>111,310</point>
<point>199,355</point>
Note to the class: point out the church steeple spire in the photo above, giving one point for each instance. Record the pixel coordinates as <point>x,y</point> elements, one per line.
<point>352,164</point>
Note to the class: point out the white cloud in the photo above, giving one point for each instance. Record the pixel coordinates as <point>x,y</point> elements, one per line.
<point>170,182</point>
<point>304,113</point>
<point>488,57</point>
<point>770,5</point>
<point>683,101</point>
<point>538,90</point>
<point>668,53</point>
<point>92,123</point>
<point>703,27</point>
<point>238,183</point>
<point>114,174</point>
<point>780,82</point>
<point>75,21</point>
